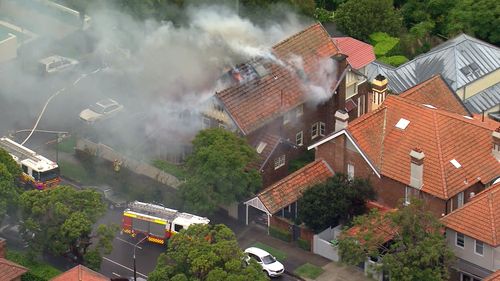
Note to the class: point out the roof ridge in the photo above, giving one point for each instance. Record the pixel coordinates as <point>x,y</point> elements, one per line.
<point>414,89</point>
<point>440,155</point>
<point>11,263</point>
<point>296,35</point>
<point>382,140</point>
<point>492,218</point>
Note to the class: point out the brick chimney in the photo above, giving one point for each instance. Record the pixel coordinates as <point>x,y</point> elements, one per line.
<point>3,247</point>
<point>496,143</point>
<point>341,118</point>
<point>417,168</point>
<point>379,91</point>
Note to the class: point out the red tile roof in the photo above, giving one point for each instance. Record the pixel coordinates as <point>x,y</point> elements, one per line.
<point>80,273</point>
<point>358,53</point>
<point>271,141</point>
<point>493,277</point>
<point>436,92</point>
<point>10,270</point>
<point>290,189</point>
<point>441,135</point>
<point>479,218</point>
<point>254,103</point>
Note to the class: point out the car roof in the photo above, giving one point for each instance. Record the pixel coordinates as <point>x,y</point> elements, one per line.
<point>257,251</point>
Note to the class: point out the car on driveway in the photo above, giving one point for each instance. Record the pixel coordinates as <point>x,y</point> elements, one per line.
<point>269,264</point>
<point>101,110</point>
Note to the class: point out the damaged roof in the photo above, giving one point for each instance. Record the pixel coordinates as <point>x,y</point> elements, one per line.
<point>254,103</point>
<point>264,146</point>
<point>388,134</point>
<point>460,60</point>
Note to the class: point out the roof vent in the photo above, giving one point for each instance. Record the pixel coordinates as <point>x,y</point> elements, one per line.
<point>468,117</point>
<point>430,106</point>
<point>455,163</point>
<point>261,147</point>
<point>402,123</point>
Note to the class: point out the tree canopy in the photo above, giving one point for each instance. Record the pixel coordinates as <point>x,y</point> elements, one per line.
<point>59,220</point>
<point>218,171</point>
<point>417,250</point>
<point>205,252</point>
<point>360,18</point>
<point>9,191</point>
<point>337,200</point>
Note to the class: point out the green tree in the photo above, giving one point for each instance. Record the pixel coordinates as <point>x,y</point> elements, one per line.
<point>360,18</point>
<point>218,171</point>
<point>9,191</point>
<point>205,252</point>
<point>337,200</point>
<point>417,250</point>
<point>60,220</point>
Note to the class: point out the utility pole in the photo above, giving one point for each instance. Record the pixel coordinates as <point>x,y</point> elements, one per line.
<point>135,246</point>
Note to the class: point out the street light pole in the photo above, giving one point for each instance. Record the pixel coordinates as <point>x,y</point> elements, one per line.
<point>135,246</point>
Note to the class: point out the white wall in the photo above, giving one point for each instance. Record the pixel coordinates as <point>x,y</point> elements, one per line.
<point>490,259</point>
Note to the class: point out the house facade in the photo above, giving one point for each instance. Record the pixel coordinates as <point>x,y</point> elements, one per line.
<point>472,232</point>
<point>412,149</point>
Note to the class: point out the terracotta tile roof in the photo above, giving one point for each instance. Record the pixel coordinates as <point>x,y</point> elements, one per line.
<point>382,231</point>
<point>493,277</point>
<point>289,189</point>
<point>441,135</point>
<point>479,218</point>
<point>10,270</point>
<point>270,141</point>
<point>436,92</point>
<point>492,124</point>
<point>358,53</point>
<point>80,273</point>
<point>258,101</point>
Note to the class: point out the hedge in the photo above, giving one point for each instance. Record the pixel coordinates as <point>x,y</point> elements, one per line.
<point>304,244</point>
<point>394,60</point>
<point>280,234</point>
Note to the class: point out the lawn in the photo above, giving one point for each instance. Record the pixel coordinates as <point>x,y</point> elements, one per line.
<point>308,270</point>
<point>67,145</point>
<point>73,171</point>
<point>42,270</point>
<point>175,170</point>
<point>279,255</point>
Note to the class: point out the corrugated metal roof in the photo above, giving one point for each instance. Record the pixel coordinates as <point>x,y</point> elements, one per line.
<point>484,100</point>
<point>460,61</point>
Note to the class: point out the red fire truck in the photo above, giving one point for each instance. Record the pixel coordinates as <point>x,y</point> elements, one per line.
<point>156,222</point>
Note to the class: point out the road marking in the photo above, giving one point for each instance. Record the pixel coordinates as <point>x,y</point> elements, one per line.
<point>128,268</point>
<point>138,247</point>
<point>116,274</point>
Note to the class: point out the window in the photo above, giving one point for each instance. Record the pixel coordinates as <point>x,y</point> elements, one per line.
<point>314,130</point>
<point>299,138</point>
<point>178,227</point>
<point>321,128</point>
<point>460,240</point>
<point>287,117</point>
<point>351,90</point>
<point>299,110</point>
<point>25,169</point>
<point>479,247</point>
<point>279,162</point>
<point>350,171</point>
<point>460,199</point>
<point>467,277</point>
<point>206,123</point>
<point>407,195</point>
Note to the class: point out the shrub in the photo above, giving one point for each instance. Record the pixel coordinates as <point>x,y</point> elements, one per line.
<point>394,60</point>
<point>383,43</point>
<point>323,15</point>
<point>304,244</point>
<point>280,234</point>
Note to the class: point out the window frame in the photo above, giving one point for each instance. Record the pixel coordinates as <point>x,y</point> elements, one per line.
<point>299,111</point>
<point>279,162</point>
<point>301,134</point>
<point>314,130</point>
<point>460,199</point>
<point>287,117</point>
<point>475,247</point>
<point>350,175</point>
<point>407,200</point>
<point>456,239</point>
<point>321,128</point>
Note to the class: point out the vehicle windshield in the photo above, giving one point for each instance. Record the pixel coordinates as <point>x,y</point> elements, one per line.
<point>268,259</point>
<point>97,108</point>
<point>48,175</point>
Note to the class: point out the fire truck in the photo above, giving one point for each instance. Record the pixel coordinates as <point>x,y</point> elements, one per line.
<point>38,171</point>
<point>157,223</point>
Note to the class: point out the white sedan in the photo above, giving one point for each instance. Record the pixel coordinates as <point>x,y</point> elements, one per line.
<point>269,264</point>
<point>101,110</point>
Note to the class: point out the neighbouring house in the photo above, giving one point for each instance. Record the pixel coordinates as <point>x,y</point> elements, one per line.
<point>493,277</point>
<point>282,105</point>
<point>278,202</point>
<point>9,271</point>
<point>473,233</point>
<point>80,273</point>
<point>471,68</point>
<point>410,148</point>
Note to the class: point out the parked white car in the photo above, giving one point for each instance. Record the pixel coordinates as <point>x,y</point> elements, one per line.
<point>269,264</point>
<point>56,63</point>
<point>101,110</point>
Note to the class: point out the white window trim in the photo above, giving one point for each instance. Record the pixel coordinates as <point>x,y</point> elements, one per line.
<point>315,135</point>
<point>407,196</point>
<point>350,175</point>
<point>460,199</point>
<point>475,247</point>
<point>279,162</point>
<point>287,117</point>
<point>321,125</point>
<point>299,110</point>
<point>456,240</point>
<point>301,134</point>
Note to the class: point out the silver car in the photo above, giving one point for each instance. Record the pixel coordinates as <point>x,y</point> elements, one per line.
<point>101,110</point>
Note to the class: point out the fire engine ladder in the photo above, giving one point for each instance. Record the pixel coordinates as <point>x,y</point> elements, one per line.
<point>17,151</point>
<point>166,213</point>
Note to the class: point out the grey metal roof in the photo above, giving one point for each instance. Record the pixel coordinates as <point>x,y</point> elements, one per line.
<point>484,100</point>
<point>460,61</point>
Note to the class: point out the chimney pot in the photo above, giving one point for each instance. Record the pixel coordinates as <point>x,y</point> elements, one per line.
<point>341,119</point>
<point>379,91</point>
<point>417,168</point>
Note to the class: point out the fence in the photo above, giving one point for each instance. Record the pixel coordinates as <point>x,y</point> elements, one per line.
<point>323,246</point>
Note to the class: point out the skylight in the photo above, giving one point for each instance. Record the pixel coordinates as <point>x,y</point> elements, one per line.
<point>430,106</point>
<point>468,117</point>
<point>455,163</point>
<point>261,147</point>
<point>402,123</point>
